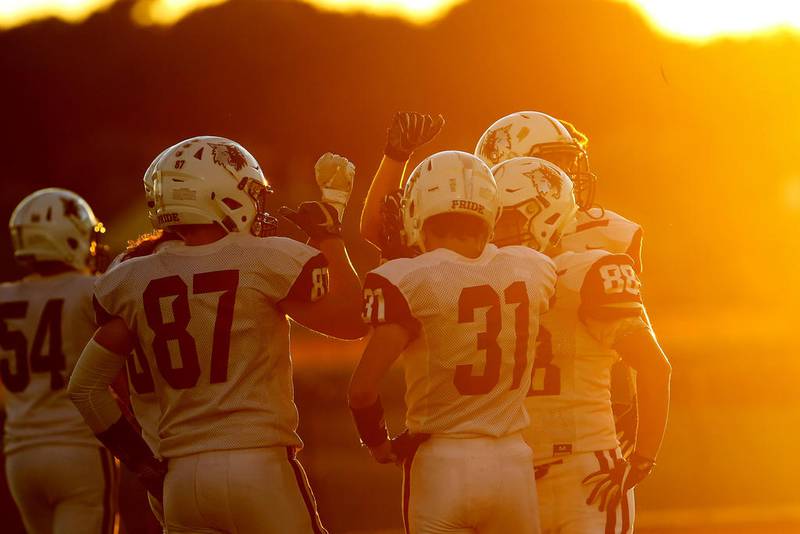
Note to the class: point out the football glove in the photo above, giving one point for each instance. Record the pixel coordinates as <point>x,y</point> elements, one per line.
<point>611,483</point>
<point>319,220</point>
<point>627,423</point>
<point>124,442</point>
<point>405,445</point>
<point>409,131</point>
<point>335,175</point>
<point>392,243</point>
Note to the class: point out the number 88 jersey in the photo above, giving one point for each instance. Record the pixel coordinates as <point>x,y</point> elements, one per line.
<point>473,324</point>
<point>211,340</point>
<point>597,299</point>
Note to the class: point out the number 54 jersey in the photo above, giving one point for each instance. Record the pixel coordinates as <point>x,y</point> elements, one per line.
<point>569,403</point>
<point>473,322</point>
<point>45,321</point>
<point>212,341</point>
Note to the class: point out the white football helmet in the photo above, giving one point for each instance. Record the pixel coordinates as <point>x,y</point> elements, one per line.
<point>532,133</point>
<point>149,189</point>
<point>448,182</point>
<point>537,202</point>
<point>208,179</point>
<point>55,225</point>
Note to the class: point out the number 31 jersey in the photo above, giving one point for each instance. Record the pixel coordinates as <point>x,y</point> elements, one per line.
<point>569,403</point>
<point>45,322</point>
<point>473,322</point>
<point>212,341</point>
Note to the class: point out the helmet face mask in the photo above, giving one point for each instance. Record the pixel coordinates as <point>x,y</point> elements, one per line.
<point>536,134</point>
<point>55,225</point>
<point>448,182</point>
<point>209,180</point>
<point>538,203</point>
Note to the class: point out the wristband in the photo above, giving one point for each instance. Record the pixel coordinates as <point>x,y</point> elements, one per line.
<point>370,424</point>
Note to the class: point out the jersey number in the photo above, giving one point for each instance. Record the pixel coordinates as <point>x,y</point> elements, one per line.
<point>172,287</point>
<point>546,377</point>
<point>49,328</point>
<point>472,298</point>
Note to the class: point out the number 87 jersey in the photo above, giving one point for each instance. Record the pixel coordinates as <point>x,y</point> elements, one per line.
<point>597,301</point>
<point>473,325</point>
<point>212,341</point>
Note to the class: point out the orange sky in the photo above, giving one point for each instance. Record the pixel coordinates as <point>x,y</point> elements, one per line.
<point>691,20</point>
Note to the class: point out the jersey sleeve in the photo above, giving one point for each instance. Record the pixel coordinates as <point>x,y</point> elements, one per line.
<point>635,249</point>
<point>312,283</point>
<point>108,297</point>
<point>611,289</point>
<point>385,303</point>
<point>291,270</point>
<point>611,302</point>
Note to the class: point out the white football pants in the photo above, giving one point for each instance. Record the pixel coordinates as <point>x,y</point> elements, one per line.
<point>471,486</point>
<point>245,491</point>
<point>562,497</point>
<point>63,489</point>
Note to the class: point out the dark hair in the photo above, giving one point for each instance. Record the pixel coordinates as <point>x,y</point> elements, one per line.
<point>146,244</point>
<point>457,225</point>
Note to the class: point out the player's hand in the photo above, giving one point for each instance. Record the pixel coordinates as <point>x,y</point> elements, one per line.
<point>609,485</point>
<point>383,453</point>
<point>405,445</point>
<point>392,243</point>
<point>627,423</point>
<point>409,131</point>
<point>151,474</point>
<point>319,220</point>
<point>335,175</point>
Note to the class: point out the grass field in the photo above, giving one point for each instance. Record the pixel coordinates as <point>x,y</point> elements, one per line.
<point>728,464</point>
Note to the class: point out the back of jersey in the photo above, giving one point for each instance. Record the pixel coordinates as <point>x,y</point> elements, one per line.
<point>570,399</point>
<point>45,322</point>
<point>467,368</point>
<point>212,341</point>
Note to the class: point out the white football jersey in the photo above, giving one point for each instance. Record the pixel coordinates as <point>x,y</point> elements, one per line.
<point>212,342</point>
<point>604,230</point>
<point>474,323</point>
<point>569,402</point>
<point>144,403</point>
<point>45,322</point>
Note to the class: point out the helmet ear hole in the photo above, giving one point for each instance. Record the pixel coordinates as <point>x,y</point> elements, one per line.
<point>72,242</point>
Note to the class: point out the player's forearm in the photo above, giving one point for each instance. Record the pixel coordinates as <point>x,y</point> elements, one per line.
<point>386,344</point>
<point>653,405</point>
<point>343,301</point>
<point>388,178</point>
<point>641,351</point>
<point>89,386</point>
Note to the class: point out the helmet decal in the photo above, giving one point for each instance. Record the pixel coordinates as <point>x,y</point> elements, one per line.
<point>498,142</point>
<point>546,181</point>
<point>227,156</point>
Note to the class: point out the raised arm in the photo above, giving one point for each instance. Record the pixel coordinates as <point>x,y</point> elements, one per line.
<point>407,132</point>
<point>338,314</point>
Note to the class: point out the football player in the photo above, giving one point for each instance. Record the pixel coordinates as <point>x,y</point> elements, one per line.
<point>584,482</point>
<point>209,316</point>
<point>60,476</point>
<point>533,133</point>
<point>463,314</point>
